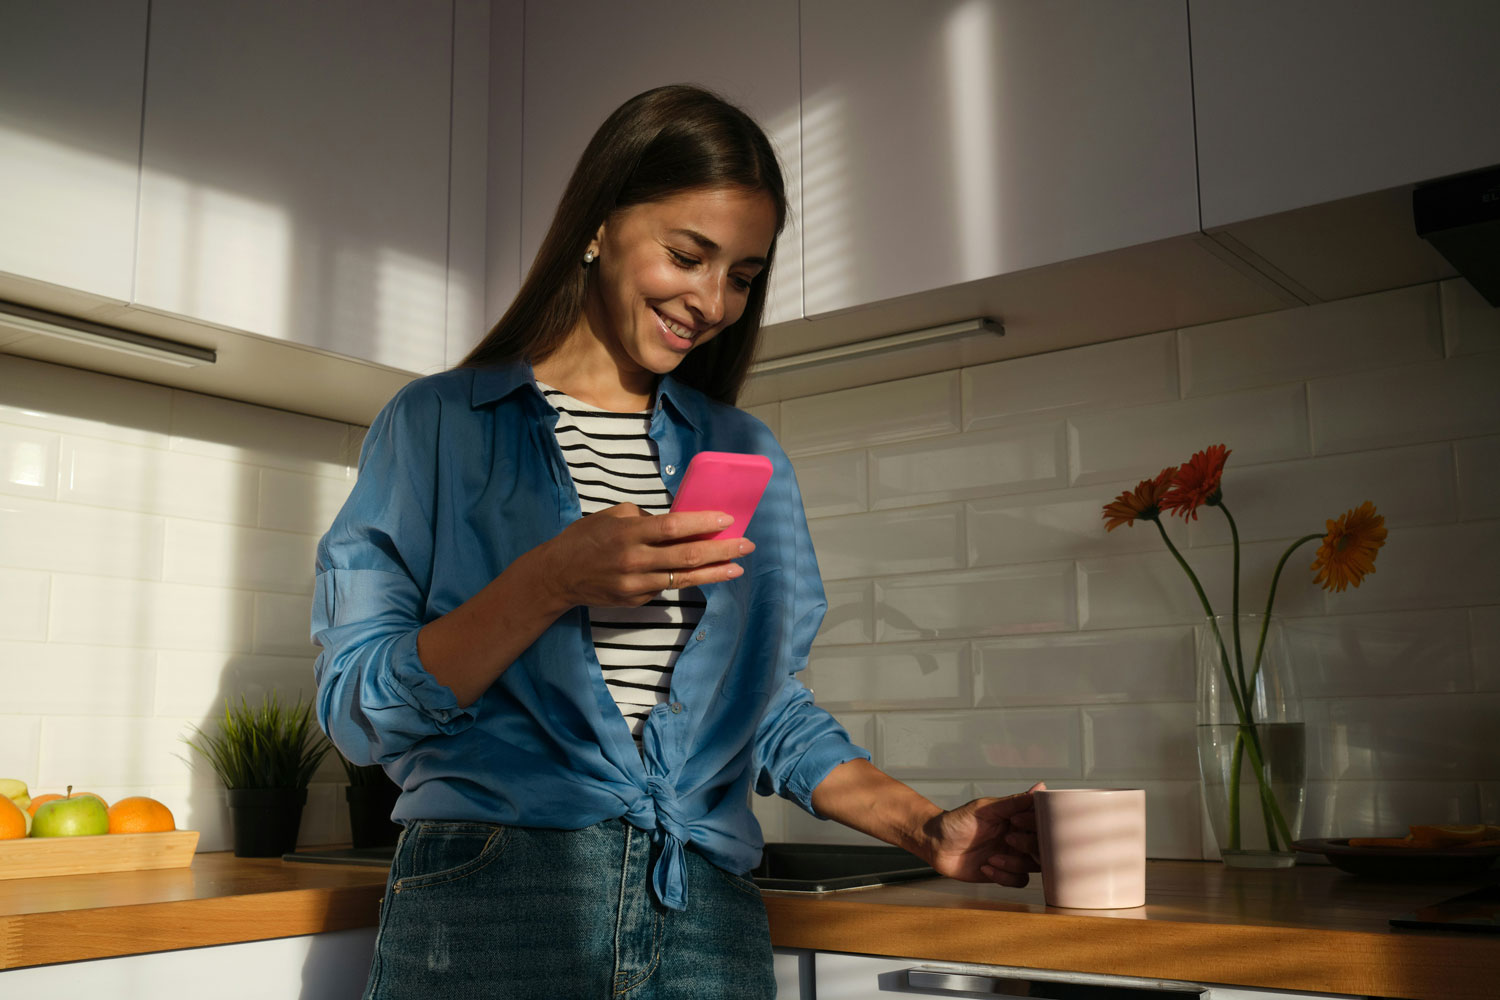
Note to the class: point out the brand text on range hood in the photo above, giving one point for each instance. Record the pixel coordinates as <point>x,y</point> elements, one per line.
<point>1460,217</point>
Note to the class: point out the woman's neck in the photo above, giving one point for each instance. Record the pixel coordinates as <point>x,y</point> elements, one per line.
<point>584,368</point>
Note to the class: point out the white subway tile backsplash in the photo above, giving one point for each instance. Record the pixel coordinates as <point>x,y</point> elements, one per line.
<point>221,555</point>
<point>91,751</point>
<point>1432,567</point>
<point>1009,460</point>
<point>1261,425</point>
<point>1028,743</point>
<point>1006,600</point>
<point>48,678</point>
<point>24,599</point>
<point>1478,478</point>
<point>1151,589</point>
<point>293,501</point>
<point>1439,736</point>
<point>1099,376</point>
<point>1036,527</point>
<point>834,483</point>
<point>1371,331</point>
<point>771,813</point>
<point>28,462</point>
<point>916,675</point>
<point>153,481</point>
<point>851,613</point>
<point>283,625</point>
<point>1394,406</point>
<point>1135,742</point>
<point>1385,808</point>
<point>20,737</point>
<point>193,683</point>
<point>1412,485</point>
<point>257,435</point>
<point>1489,802</point>
<point>73,401</point>
<point>1470,324</point>
<point>40,534</point>
<point>898,541</point>
<point>862,730</point>
<point>919,407</point>
<point>1394,653</point>
<point>110,612</point>
<point>1484,631</point>
<point>1118,666</point>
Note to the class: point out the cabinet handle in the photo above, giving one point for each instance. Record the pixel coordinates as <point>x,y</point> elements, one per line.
<point>960,984</point>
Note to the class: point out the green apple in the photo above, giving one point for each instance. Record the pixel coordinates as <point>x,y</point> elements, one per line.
<point>73,816</point>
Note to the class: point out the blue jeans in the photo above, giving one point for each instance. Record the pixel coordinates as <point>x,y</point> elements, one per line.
<point>478,910</point>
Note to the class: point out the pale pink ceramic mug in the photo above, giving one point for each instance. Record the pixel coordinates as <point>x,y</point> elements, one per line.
<point>1092,843</point>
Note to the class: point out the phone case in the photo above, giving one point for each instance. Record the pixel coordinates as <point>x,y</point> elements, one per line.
<point>727,481</point>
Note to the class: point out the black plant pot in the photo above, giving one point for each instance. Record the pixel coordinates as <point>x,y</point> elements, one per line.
<point>370,823</point>
<point>266,820</point>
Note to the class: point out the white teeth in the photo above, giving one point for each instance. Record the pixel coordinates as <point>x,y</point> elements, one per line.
<point>680,331</point>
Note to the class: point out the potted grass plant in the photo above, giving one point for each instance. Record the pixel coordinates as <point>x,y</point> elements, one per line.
<point>265,755</point>
<point>372,797</point>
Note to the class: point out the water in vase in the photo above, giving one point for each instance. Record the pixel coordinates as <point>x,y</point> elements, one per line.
<point>1282,747</point>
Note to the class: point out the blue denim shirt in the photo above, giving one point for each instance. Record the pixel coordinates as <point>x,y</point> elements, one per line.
<point>459,475</point>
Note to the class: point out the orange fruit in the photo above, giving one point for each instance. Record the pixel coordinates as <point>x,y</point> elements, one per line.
<point>1447,836</point>
<point>140,814</point>
<point>12,820</point>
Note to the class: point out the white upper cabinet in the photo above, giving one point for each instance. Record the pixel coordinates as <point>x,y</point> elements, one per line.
<point>70,134</point>
<point>954,140</point>
<point>1304,103</point>
<point>583,59</point>
<point>295,172</point>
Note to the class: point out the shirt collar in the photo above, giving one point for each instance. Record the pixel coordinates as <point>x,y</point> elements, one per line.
<point>494,383</point>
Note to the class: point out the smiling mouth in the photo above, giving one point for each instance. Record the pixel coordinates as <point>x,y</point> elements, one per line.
<point>677,329</point>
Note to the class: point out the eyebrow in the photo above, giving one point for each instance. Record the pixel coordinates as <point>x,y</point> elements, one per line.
<point>708,246</point>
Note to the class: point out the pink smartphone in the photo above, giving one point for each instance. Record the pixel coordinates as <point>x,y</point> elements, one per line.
<point>727,481</point>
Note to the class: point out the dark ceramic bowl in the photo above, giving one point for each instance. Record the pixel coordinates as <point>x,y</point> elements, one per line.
<point>1408,864</point>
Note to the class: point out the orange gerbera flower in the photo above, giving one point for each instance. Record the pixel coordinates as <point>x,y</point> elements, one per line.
<point>1143,502</point>
<point>1348,551</point>
<point>1196,483</point>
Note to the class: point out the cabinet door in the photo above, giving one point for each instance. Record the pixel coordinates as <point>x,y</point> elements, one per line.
<point>953,140</point>
<point>1303,103</point>
<point>70,133</point>
<point>295,172</point>
<point>583,59</point>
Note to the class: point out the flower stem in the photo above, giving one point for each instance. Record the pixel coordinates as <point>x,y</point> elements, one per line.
<point>1265,621</point>
<point>1246,691</point>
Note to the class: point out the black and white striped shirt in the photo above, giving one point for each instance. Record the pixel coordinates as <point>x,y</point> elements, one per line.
<point>613,460</point>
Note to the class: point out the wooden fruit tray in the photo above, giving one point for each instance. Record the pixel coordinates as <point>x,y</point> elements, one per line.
<point>34,857</point>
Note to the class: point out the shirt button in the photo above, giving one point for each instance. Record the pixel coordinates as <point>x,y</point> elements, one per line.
<point>701,636</point>
<point>671,470</point>
<point>676,708</point>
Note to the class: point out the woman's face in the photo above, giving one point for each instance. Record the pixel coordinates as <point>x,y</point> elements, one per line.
<point>672,274</point>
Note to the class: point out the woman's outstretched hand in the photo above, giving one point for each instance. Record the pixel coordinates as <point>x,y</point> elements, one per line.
<point>623,557</point>
<point>986,840</point>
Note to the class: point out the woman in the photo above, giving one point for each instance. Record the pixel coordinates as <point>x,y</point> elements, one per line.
<point>574,690</point>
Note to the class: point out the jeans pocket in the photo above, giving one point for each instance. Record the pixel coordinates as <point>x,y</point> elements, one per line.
<point>739,882</point>
<point>434,852</point>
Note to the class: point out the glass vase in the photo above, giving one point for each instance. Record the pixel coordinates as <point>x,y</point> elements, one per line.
<point>1252,744</point>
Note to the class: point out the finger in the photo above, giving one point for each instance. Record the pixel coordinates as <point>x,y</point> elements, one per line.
<point>1015,880</point>
<point>1005,808</point>
<point>1024,820</point>
<point>1023,842</point>
<point>698,577</point>
<point>678,525</point>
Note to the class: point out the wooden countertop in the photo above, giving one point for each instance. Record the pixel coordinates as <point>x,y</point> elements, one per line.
<point>1312,929</point>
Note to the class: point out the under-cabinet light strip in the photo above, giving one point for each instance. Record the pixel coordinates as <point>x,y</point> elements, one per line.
<point>140,345</point>
<point>880,345</point>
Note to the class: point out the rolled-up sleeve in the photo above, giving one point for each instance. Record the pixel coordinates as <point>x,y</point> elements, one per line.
<point>798,743</point>
<point>374,565</point>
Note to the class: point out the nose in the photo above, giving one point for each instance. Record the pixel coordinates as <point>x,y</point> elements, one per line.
<point>708,303</point>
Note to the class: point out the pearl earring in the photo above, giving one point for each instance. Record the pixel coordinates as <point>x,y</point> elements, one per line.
<point>589,257</point>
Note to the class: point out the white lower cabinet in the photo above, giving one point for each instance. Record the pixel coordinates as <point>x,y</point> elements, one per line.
<point>794,971</point>
<point>330,966</point>
<point>861,977</point>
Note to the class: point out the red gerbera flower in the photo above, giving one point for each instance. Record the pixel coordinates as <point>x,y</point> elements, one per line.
<point>1196,483</point>
<point>1348,551</point>
<point>1143,502</point>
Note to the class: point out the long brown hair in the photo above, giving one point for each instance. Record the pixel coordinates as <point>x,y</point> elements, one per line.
<point>657,144</point>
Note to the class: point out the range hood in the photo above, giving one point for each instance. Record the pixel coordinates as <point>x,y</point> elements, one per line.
<point>1460,217</point>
